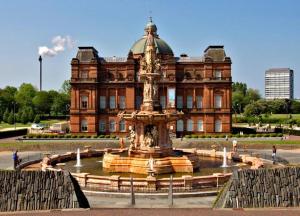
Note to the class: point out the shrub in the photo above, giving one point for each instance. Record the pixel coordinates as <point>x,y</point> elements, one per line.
<point>45,135</point>
<point>101,136</point>
<point>258,135</point>
<point>194,136</point>
<point>113,136</point>
<point>38,136</point>
<point>187,136</point>
<point>95,136</point>
<point>201,136</point>
<point>208,136</point>
<point>87,136</point>
<point>74,136</point>
<point>252,135</point>
<point>30,136</point>
<point>279,135</point>
<point>68,136</point>
<point>107,136</point>
<point>81,136</point>
<point>37,119</point>
<point>273,135</point>
<point>51,136</point>
<point>25,136</point>
<point>266,135</point>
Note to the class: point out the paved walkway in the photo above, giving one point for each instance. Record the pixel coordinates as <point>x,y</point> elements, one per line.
<point>166,212</point>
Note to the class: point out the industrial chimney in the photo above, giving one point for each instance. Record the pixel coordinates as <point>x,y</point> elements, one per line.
<point>40,60</point>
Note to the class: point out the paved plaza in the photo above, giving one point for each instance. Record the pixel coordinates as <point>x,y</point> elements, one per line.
<point>165,212</point>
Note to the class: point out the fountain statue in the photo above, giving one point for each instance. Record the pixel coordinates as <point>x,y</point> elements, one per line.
<point>149,134</point>
<point>78,161</point>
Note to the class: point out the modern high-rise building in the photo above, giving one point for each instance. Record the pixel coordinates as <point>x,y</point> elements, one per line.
<point>279,83</point>
<point>104,86</point>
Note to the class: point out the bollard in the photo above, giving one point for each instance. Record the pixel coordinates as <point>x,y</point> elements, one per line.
<point>170,196</point>
<point>132,192</point>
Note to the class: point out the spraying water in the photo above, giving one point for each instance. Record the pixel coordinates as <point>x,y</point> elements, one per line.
<point>78,162</point>
<point>224,158</point>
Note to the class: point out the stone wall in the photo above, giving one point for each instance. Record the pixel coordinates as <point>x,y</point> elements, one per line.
<point>278,187</point>
<point>37,190</point>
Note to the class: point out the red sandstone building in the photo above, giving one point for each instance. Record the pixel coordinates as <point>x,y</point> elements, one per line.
<point>199,86</point>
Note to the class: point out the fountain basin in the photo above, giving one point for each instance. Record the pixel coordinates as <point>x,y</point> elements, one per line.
<point>126,164</point>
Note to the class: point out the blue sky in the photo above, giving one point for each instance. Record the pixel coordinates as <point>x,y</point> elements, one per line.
<point>257,34</point>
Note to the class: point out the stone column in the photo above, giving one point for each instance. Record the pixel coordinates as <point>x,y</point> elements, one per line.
<point>151,183</point>
<point>188,182</point>
<point>115,182</point>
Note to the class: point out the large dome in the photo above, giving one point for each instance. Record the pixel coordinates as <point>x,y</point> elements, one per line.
<point>161,46</point>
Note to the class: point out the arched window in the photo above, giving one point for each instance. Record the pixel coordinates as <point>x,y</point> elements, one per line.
<point>84,102</point>
<point>218,101</point>
<point>187,76</point>
<point>102,125</point>
<point>218,125</point>
<point>179,125</point>
<point>190,125</point>
<point>199,102</point>
<point>122,127</point>
<point>200,125</point>
<point>112,125</point>
<point>83,126</point>
<point>189,101</point>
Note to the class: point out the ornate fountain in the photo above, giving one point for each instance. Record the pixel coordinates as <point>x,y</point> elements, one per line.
<point>150,149</point>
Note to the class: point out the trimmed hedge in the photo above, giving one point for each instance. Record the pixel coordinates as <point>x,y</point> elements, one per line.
<point>236,130</point>
<point>13,133</point>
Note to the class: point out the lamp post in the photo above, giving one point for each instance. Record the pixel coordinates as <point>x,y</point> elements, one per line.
<point>14,114</point>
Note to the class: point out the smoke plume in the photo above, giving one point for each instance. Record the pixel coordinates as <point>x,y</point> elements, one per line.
<point>59,45</point>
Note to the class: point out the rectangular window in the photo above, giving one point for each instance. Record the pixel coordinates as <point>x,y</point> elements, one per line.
<point>122,127</point>
<point>112,125</point>
<point>102,102</point>
<point>102,126</point>
<point>199,102</point>
<point>171,97</point>
<point>189,102</point>
<point>122,102</point>
<point>200,125</point>
<point>84,102</point>
<point>218,75</point>
<point>84,126</point>
<point>112,102</point>
<point>163,102</point>
<point>218,126</point>
<point>83,74</point>
<point>138,101</point>
<point>218,101</point>
<point>179,102</point>
<point>190,125</point>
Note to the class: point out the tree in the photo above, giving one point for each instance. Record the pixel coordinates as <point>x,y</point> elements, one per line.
<point>7,97</point>
<point>25,94</point>
<point>10,119</point>
<point>41,102</point>
<point>6,115</point>
<point>24,118</point>
<point>295,107</point>
<point>252,95</point>
<point>60,104</point>
<point>37,119</point>
<point>18,116</point>
<point>30,114</point>
<point>66,87</point>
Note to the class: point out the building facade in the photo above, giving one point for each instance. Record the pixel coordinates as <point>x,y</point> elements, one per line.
<point>104,86</point>
<point>279,83</point>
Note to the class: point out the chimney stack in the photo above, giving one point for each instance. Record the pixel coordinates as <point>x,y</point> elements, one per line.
<point>40,60</point>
